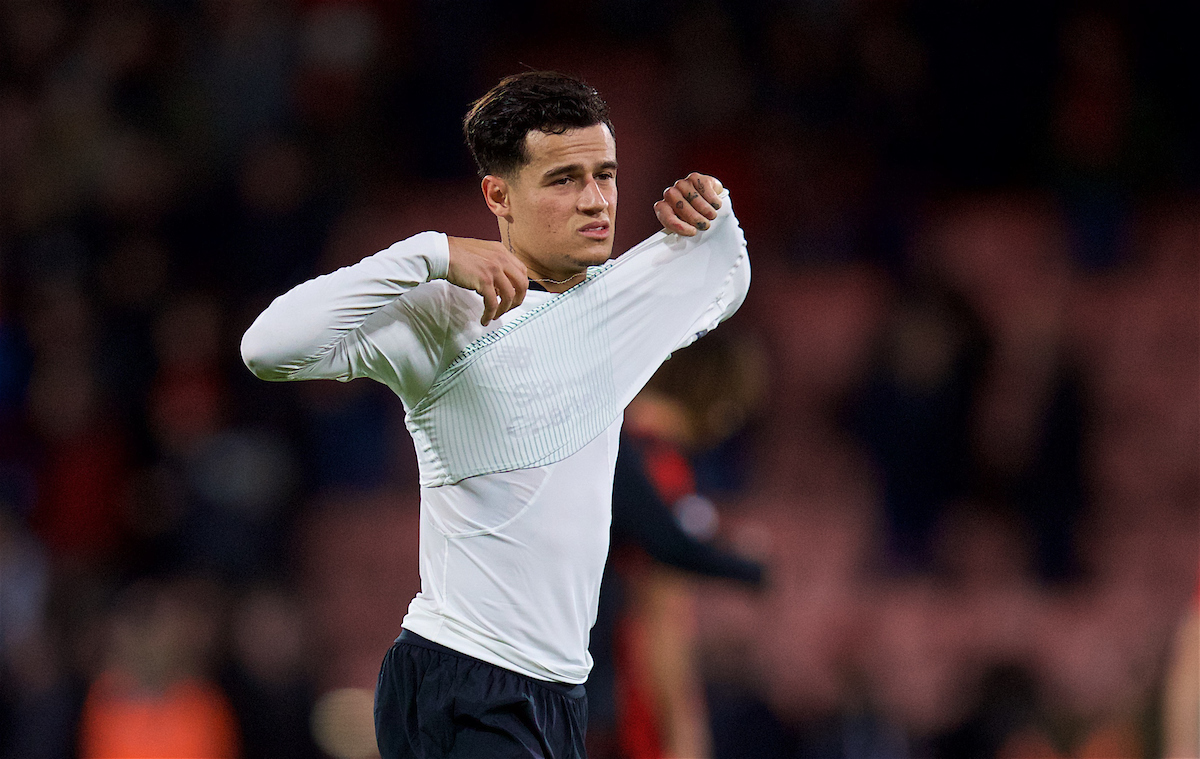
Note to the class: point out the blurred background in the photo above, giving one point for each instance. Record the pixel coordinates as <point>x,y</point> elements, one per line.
<point>970,464</point>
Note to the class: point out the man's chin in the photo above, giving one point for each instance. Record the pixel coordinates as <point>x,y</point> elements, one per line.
<point>593,255</point>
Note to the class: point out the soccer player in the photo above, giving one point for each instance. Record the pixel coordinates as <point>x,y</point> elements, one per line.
<point>514,361</point>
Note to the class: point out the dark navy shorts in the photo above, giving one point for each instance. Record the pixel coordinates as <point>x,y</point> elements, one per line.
<point>434,703</point>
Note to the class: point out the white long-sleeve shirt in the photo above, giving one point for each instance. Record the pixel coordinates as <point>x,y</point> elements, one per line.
<point>510,561</point>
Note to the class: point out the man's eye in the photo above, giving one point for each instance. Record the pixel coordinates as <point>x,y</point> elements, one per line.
<point>605,176</point>
<point>562,180</point>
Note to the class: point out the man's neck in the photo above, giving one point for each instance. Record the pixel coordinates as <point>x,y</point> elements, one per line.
<point>551,285</point>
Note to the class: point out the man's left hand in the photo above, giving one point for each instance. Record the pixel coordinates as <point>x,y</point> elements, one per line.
<point>689,205</point>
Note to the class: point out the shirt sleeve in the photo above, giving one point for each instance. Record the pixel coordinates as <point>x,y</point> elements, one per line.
<point>355,322</point>
<point>728,301</point>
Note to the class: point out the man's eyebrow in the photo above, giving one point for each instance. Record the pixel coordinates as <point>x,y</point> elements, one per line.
<point>576,168</point>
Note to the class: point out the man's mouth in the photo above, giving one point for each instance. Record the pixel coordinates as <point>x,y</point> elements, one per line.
<point>597,230</point>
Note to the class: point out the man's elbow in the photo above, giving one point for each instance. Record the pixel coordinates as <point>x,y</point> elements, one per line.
<point>258,358</point>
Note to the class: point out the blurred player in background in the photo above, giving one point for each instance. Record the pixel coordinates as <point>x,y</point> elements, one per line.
<point>1181,708</point>
<point>645,694</point>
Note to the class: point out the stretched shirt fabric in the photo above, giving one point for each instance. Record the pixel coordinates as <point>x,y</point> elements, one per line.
<point>547,383</point>
<point>515,490</point>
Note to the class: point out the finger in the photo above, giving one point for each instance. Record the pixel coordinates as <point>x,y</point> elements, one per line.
<point>516,275</point>
<point>506,293</point>
<point>695,200</point>
<point>683,201</point>
<point>708,187</point>
<point>490,302</point>
<point>520,283</point>
<point>670,220</point>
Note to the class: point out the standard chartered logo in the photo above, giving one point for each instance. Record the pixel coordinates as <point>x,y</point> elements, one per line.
<point>541,406</point>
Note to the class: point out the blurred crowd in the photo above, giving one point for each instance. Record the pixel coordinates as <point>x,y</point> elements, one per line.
<point>971,474</point>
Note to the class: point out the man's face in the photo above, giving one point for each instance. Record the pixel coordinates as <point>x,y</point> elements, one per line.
<point>563,203</point>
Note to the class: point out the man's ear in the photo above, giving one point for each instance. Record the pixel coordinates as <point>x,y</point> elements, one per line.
<point>495,194</point>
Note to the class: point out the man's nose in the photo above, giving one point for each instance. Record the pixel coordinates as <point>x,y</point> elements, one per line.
<point>592,199</point>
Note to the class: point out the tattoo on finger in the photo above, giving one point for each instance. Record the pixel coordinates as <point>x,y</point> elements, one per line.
<point>679,204</point>
<point>692,195</point>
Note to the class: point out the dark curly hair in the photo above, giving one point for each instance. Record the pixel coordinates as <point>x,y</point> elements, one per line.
<point>498,122</point>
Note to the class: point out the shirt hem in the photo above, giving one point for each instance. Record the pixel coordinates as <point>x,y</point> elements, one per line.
<point>438,630</point>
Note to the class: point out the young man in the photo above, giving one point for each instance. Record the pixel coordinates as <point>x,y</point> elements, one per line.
<point>514,360</point>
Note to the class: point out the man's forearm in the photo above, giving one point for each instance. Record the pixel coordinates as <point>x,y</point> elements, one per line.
<point>313,330</point>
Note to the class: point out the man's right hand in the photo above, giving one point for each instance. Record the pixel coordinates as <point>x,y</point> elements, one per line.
<point>490,269</point>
